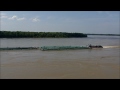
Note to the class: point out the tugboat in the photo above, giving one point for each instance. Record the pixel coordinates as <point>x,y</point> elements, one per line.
<point>95,46</point>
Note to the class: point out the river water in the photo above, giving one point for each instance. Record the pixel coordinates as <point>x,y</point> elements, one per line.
<point>63,64</point>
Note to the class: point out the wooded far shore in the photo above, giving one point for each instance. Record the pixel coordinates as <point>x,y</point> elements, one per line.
<point>21,34</point>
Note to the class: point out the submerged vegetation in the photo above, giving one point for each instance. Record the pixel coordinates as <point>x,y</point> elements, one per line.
<point>21,34</point>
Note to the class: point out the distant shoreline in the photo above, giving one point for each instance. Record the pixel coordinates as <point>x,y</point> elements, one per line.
<point>105,34</point>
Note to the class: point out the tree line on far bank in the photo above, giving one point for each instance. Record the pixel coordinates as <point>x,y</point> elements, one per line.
<point>21,34</point>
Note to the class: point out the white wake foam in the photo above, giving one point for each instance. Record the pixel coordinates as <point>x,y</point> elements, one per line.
<point>111,46</point>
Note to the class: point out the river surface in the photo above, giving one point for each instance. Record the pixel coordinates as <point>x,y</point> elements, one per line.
<point>64,64</point>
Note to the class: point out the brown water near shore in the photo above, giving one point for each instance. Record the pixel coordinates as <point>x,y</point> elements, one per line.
<point>59,65</point>
<point>60,70</point>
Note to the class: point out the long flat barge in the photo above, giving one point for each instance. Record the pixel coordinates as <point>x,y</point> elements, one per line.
<point>18,48</point>
<point>45,48</point>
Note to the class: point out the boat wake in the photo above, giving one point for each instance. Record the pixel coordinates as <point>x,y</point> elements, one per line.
<point>111,46</point>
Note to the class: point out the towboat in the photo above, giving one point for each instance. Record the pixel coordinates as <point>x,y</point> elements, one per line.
<point>95,46</point>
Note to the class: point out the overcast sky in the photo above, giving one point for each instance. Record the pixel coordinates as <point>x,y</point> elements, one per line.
<point>61,21</point>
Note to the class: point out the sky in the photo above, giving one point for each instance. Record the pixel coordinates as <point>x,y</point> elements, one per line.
<point>98,22</point>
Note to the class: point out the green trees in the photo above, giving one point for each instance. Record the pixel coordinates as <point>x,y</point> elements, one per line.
<point>20,34</point>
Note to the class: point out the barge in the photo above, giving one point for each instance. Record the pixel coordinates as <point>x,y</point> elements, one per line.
<point>18,48</point>
<point>45,48</point>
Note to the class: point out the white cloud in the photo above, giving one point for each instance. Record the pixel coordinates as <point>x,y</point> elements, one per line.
<point>16,18</point>
<point>13,17</point>
<point>35,19</point>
